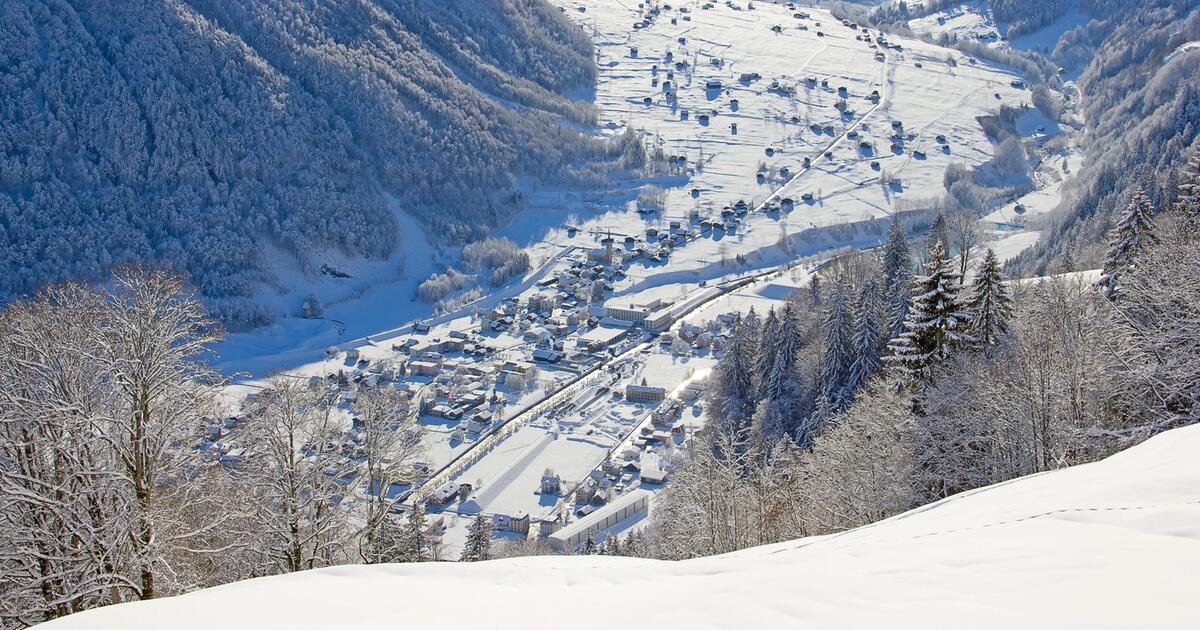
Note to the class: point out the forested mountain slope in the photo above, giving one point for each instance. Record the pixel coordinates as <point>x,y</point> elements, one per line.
<point>1141,110</point>
<point>199,131</point>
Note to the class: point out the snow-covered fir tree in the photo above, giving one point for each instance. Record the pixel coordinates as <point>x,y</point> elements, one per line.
<point>766,352</point>
<point>1129,238</point>
<point>733,394</point>
<point>589,547</point>
<point>479,540</point>
<point>868,340</point>
<point>937,324</point>
<point>838,331</point>
<point>1188,202</point>
<point>939,235</point>
<point>990,304</point>
<point>897,276</point>
<point>781,380</point>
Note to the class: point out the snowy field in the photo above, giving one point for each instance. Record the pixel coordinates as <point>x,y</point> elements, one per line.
<point>1112,544</point>
<point>918,87</point>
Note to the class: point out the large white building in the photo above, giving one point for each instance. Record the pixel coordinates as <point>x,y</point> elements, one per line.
<point>624,507</point>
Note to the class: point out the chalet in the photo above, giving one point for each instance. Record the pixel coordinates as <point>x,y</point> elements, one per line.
<point>586,490</point>
<point>478,423</point>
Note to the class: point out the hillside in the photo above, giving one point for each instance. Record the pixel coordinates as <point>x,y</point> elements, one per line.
<point>1105,545</point>
<point>203,133</point>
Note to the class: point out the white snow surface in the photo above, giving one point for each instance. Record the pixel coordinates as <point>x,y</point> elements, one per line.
<point>1107,545</point>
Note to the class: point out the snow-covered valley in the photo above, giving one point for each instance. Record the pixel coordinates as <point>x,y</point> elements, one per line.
<point>792,136</point>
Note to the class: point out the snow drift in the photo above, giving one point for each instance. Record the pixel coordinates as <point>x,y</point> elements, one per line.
<point>1107,545</point>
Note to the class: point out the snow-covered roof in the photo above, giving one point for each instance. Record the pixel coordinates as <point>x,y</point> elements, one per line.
<point>612,507</point>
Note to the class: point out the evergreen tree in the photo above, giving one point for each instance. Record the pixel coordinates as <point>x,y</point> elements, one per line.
<point>1188,203</point>
<point>937,322</point>
<point>868,338</point>
<point>733,395</point>
<point>838,330</point>
<point>589,547</point>
<point>939,235</point>
<point>630,547</point>
<point>897,256</point>
<point>1133,233</point>
<point>897,277</point>
<point>479,540</point>
<point>767,352</point>
<point>782,381</point>
<point>990,304</point>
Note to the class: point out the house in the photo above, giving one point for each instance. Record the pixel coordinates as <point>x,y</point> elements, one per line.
<point>543,355</point>
<point>585,491</point>
<point>443,494</point>
<point>538,334</point>
<point>550,483</point>
<point>644,393</point>
<point>425,368</point>
<point>518,523</point>
<point>548,526</point>
<point>653,472</point>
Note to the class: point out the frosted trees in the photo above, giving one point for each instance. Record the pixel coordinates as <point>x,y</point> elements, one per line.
<point>98,493</point>
<point>151,336</point>
<point>294,473</point>
<point>1157,327</point>
<point>1133,233</point>
<point>897,274</point>
<point>989,304</point>
<point>964,232</point>
<point>63,541</point>
<point>936,325</point>
<point>861,469</point>
<point>479,540</point>
<point>390,443</point>
<point>939,235</point>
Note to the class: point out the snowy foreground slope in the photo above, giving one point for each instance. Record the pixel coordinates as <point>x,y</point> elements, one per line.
<point>1108,545</point>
